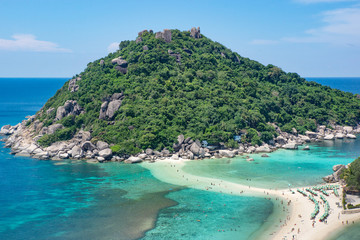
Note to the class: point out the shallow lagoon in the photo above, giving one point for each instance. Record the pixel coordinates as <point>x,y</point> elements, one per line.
<point>283,167</point>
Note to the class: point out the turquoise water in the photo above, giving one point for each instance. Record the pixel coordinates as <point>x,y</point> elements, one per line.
<point>350,233</point>
<point>283,167</point>
<point>210,216</point>
<point>76,200</point>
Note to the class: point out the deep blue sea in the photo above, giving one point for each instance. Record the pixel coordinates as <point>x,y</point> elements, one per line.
<point>76,200</point>
<point>347,84</point>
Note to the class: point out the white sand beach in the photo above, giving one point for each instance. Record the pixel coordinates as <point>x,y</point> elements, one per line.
<point>296,224</point>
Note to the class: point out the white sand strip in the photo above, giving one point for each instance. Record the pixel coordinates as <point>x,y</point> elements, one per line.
<point>297,224</point>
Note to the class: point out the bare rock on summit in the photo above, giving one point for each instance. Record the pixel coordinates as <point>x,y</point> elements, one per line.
<point>195,32</point>
<point>166,35</point>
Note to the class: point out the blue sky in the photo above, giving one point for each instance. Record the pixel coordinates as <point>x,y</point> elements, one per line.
<point>57,38</point>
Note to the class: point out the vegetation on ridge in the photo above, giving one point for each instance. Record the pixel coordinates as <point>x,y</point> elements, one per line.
<point>351,175</point>
<point>212,94</point>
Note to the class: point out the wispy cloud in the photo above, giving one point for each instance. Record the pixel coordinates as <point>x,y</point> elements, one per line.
<point>113,47</point>
<point>340,26</point>
<point>264,42</point>
<point>321,1</point>
<point>28,42</point>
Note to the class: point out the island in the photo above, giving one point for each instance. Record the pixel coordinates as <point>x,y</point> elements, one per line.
<point>175,96</point>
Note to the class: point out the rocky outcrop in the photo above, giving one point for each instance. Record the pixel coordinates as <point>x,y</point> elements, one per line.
<point>5,130</point>
<point>263,149</point>
<point>176,55</point>
<point>311,134</point>
<point>138,39</point>
<point>105,153</point>
<point>100,145</point>
<point>335,177</point>
<point>165,35</point>
<point>73,87</point>
<point>71,107</point>
<point>110,106</point>
<point>227,153</point>
<point>195,32</point>
<point>102,62</point>
<point>133,160</point>
<point>329,137</point>
<point>290,145</point>
<point>53,128</point>
<point>120,64</point>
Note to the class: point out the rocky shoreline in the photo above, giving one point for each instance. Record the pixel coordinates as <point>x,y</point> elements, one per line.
<point>22,139</point>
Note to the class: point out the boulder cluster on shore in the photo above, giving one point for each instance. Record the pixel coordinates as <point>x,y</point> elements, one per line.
<point>22,139</point>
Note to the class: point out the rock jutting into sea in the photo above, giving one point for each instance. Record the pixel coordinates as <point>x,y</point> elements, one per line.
<point>22,139</point>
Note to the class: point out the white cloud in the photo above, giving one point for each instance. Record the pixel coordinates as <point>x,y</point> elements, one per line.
<point>28,42</point>
<point>341,26</point>
<point>113,47</point>
<point>263,42</point>
<point>322,1</point>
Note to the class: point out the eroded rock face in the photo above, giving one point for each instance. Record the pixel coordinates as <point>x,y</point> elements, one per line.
<point>53,128</point>
<point>71,107</point>
<point>5,130</point>
<point>121,64</point>
<point>110,106</point>
<point>166,35</point>
<point>176,55</point>
<point>195,32</point>
<point>73,87</point>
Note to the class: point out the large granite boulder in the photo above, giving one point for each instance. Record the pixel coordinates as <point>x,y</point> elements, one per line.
<point>53,128</point>
<point>339,135</point>
<point>105,153</point>
<point>121,64</point>
<point>348,129</point>
<point>337,167</point>
<point>100,145</point>
<point>195,32</point>
<point>71,107</point>
<point>329,137</point>
<point>76,151</point>
<point>138,39</point>
<point>280,140</point>
<point>133,160</point>
<point>290,145</point>
<point>264,149</point>
<point>311,134</point>
<point>110,106</point>
<point>226,153</point>
<point>88,146</point>
<point>83,136</point>
<point>166,35</point>
<point>351,136</point>
<point>73,87</point>
<point>5,130</point>
<point>149,151</point>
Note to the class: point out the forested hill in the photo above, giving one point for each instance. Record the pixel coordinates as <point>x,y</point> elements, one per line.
<point>169,83</point>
